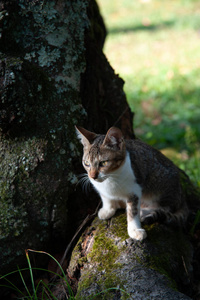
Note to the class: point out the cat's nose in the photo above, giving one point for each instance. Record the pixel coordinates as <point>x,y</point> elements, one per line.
<point>94,174</point>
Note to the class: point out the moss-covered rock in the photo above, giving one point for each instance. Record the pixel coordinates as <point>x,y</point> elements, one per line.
<point>109,265</point>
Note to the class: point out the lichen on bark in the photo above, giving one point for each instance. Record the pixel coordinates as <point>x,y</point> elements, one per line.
<point>48,84</point>
<point>41,62</point>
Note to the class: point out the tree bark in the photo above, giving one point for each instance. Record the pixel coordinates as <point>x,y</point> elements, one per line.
<point>53,75</point>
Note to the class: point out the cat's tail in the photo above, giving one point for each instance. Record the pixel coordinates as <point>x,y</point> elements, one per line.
<point>161,215</point>
<point>190,195</point>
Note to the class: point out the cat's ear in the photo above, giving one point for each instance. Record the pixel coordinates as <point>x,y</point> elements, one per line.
<point>86,137</point>
<point>114,139</point>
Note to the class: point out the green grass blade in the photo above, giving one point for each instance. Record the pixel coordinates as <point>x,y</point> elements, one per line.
<point>24,283</point>
<point>45,291</point>
<point>35,288</point>
<point>31,274</point>
<point>12,287</point>
<point>63,273</point>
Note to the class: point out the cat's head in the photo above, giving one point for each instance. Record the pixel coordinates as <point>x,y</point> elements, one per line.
<point>102,154</point>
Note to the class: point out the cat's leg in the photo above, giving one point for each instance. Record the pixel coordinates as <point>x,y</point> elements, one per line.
<point>149,216</point>
<point>171,209</point>
<point>133,219</point>
<point>108,210</point>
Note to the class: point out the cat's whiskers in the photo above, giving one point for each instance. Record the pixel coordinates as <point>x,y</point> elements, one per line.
<point>85,182</point>
<point>127,170</point>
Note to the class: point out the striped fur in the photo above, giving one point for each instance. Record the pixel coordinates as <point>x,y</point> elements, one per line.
<point>131,174</point>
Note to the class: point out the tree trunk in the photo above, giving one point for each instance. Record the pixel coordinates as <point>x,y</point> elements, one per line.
<point>107,264</point>
<point>53,76</point>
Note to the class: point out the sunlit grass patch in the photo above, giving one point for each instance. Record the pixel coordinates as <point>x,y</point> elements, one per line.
<point>155,47</point>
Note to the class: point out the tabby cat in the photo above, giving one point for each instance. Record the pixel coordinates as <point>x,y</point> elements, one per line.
<point>131,174</point>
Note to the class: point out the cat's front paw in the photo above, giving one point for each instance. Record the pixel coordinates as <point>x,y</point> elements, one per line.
<point>137,234</point>
<point>105,214</point>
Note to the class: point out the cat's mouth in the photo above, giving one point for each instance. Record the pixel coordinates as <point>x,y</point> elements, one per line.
<point>99,179</point>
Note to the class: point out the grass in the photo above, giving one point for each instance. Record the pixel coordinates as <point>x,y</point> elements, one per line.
<point>40,290</point>
<point>155,47</point>
<point>33,290</point>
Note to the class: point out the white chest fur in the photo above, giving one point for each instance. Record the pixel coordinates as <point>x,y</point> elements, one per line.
<point>120,184</point>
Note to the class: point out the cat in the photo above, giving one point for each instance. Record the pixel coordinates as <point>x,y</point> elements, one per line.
<point>133,175</point>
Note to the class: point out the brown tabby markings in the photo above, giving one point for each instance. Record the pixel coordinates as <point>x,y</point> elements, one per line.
<point>132,173</point>
<point>99,153</point>
<point>132,207</point>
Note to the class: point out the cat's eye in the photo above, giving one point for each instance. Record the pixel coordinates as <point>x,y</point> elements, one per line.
<point>86,163</point>
<point>103,163</point>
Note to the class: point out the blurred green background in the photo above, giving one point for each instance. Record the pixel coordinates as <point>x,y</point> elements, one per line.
<point>154,45</point>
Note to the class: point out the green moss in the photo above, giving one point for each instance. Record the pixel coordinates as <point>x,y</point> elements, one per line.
<point>104,252</point>
<point>166,250</point>
<point>119,225</point>
<point>109,284</point>
<point>161,263</point>
<point>40,98</point>
<point>89,279</point>
<point>17,160</point>
<point>167,258</point>
<point>103,255</point>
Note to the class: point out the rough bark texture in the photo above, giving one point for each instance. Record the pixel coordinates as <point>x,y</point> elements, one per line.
<point>102,92</point>
<point>106,258</point>
<point>49,83</point>
<point>53,75</point>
